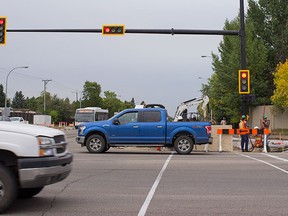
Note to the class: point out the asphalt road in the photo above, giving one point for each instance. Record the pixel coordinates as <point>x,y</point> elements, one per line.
<point>124,182</point>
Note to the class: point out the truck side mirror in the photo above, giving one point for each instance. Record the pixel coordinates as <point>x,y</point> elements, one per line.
<point>116,122</point>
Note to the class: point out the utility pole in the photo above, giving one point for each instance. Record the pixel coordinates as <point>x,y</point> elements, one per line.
<point>77,96</point>
<point>45,83</point>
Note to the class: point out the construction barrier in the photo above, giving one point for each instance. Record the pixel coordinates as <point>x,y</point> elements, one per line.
<point>244,131</point>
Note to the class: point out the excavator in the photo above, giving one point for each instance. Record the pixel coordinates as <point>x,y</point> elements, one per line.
<point>181,113</point>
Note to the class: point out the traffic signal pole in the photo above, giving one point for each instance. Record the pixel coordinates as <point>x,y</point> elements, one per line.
<point>136,31</point>
<point>242,35</point>
<point>171,31</point>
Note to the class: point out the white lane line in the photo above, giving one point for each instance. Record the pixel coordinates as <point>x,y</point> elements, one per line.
<point>150,195</point>
<point>265,163</point>
<point>275,157</point>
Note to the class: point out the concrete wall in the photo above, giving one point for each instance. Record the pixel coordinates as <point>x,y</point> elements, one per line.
<point>277,120</point>
<point>227,140</point>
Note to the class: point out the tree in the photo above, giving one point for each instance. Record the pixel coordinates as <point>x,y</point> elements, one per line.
<point>266,46</point>
<point>66,111</point>
<point>2,96</point>
<point>111,102</point>
<point>32,103</point>
<point>270,21</point>
<point>280,97</point>
<point>91,95</point>
<point>62,109</point>
<point>54,115</point>
<point>18,100</point>
<point>222,87</point>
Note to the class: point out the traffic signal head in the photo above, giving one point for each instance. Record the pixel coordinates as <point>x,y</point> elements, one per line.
<point>113,30</point>
<point>244,82</point>
<point>2,30</point>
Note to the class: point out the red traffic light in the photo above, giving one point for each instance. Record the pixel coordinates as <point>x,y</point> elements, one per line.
<point>244,82</point>
<point>244,75</point>
<point>3,30</point>
<point>107,30</point>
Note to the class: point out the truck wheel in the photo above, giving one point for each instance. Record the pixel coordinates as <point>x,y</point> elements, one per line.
<point>8,188</point>
<point>96,144</point>
<point>29,192</point>
<point>183,145</point>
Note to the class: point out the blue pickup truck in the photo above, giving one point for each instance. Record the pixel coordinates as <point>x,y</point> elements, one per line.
<point>147,127</point>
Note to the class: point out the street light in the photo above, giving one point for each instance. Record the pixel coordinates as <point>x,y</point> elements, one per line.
<point>205,56</point>
<point>203,78</point>
<point>6,114</point>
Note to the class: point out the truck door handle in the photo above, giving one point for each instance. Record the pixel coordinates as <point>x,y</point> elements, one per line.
<point>159,126</point>
<point>135,126</point>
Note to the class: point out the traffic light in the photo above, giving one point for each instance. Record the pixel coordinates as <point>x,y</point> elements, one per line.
<point>244,81</point>
<point>113,30</point>
<point>2,30</point>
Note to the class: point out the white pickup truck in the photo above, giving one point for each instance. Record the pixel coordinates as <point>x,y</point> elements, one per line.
<point>30,157</point>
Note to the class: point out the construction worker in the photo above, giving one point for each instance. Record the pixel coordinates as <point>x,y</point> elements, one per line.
<point>244,137</point>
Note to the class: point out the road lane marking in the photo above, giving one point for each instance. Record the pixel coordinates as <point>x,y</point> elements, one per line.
<point>265,163</point>
<point>150,195</point>
<point>275,157</point>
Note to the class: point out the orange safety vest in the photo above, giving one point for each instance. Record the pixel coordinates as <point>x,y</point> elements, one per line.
<point>242,124</point>
<point>243,130</point>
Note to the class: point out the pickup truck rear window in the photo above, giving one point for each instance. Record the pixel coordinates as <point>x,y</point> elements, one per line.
<point>151,116</point>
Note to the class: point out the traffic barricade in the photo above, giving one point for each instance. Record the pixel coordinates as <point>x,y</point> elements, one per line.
<point>244,131</point>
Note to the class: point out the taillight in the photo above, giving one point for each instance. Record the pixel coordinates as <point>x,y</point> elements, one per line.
<point>208,129</point>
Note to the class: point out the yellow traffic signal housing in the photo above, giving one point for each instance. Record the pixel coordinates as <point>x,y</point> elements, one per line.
<point>244,81</point>
<point>113,30</point>
<point>3,30</point>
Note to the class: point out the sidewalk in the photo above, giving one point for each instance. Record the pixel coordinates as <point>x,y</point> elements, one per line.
<point>278,137</point>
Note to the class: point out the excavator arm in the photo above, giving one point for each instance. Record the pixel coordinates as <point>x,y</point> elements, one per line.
<point>181,112</point>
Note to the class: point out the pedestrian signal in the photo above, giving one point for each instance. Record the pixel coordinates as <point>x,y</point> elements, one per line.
<point>2,30</point>
<point>244,82</point>
<point>113,30</point>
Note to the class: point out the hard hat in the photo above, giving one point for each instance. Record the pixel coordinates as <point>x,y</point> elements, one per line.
<point>243,116</point>
<point>264,116</point>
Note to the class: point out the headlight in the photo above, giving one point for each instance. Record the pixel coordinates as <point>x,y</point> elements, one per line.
<point>46,146</point>
<point>81,130</point>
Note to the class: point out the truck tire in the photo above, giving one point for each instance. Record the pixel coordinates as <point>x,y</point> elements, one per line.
<point>96,144</point>
<point>183,144</point>
<point>25,193</point>
<point>8,188</point>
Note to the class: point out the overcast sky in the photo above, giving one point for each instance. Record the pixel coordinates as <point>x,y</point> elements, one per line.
<point>154,68</point>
